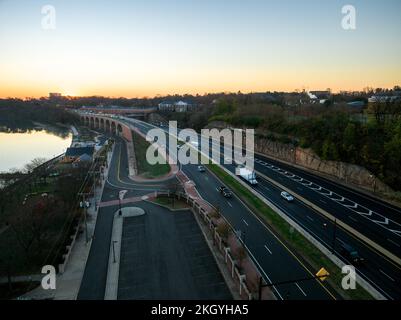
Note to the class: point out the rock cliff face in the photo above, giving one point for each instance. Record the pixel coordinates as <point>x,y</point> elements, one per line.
<point>307,159</point>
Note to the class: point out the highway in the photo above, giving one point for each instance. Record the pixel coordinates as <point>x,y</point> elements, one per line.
<point>378,270</point>
<point>273,258</point>
<point>94,279</point>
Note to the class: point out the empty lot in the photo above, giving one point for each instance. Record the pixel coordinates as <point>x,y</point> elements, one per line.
<point>164,256</point>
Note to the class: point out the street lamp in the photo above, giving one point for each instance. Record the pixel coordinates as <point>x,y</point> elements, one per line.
<point>85,205</point>
<point>334,238</point>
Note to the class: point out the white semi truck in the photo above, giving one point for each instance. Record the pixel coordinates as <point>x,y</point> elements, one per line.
<point>247,175</point>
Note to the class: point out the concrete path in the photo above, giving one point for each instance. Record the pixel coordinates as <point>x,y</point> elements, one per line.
<point>68,283</point>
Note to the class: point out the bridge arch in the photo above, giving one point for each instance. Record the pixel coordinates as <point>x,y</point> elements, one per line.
<point>97,123</point>
<point>113,128</point>
<point>119,130</point>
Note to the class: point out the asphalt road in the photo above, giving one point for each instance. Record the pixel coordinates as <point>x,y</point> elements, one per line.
<point>382,273</point>
<point>275,260</point>
<point>170,245</point>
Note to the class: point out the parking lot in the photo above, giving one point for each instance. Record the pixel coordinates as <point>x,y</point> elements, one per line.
<point>164,256</point>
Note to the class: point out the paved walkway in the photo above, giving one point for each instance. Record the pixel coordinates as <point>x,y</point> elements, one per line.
<point>110,203</point>
<point>68,283</point>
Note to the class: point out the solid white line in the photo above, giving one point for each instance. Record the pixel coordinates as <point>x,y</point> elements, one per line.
<point>323,201</point>
<point>245,223</point>
<point>268,249</point>
<point>393,242</point>
<point>310,218</point>
<point>300,289</point>
<point>352,218</point>
<point>266,188</point>
<point>386,275</point>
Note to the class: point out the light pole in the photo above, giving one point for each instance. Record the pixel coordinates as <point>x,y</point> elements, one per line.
<point>85,205</point>
<point>334,237</point>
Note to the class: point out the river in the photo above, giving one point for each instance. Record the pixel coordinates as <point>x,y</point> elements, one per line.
<point>18,149</point>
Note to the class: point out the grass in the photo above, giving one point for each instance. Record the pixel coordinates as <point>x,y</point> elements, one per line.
<point>146,169</point>
<point>292,238</point>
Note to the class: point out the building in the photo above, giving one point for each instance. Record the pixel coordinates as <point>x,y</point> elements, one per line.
<point>319,96</point>
<point>395,96</point>
<point>177,106</point>
<point>73,153</point>
<point>55,95</point>
<point>166,106</point>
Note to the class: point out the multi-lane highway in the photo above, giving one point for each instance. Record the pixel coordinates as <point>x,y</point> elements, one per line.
<point>358,210</point>
<point>276,262</point>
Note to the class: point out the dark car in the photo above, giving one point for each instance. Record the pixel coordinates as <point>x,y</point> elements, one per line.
<point>351,254</point>
<point>225,192</point>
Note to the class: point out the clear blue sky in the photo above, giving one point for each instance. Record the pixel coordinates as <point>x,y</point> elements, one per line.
<point>137,48</point>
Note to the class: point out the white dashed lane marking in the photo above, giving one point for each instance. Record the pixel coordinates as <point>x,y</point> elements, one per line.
<point>268,249</point>
<point>300,289</point>
<point>393,242</point>
<point>386,275</point>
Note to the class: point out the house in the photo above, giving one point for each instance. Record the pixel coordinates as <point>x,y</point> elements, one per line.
<point>320,96</point>
<point>166,106</point>
<point>177,106</point>
<point>73,153</point>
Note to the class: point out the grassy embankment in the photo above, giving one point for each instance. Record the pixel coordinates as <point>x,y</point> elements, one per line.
<point>292,238</point>
<point>146,169</point>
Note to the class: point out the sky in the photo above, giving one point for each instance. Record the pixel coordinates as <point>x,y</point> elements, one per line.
<point>145,48</point>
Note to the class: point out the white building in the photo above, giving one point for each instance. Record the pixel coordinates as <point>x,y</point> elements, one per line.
<point>178,106</point>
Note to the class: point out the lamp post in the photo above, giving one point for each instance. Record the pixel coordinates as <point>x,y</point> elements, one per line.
<point>334,237</point>
<point>85,205</point>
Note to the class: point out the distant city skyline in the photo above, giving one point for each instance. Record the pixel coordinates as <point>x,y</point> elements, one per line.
<point>147,48</point>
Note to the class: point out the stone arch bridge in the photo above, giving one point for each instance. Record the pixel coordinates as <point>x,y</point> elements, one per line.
<point>107,124</point>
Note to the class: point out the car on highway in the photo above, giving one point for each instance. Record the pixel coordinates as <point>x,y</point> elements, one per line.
<point>351,254</point>
<point>225,192</point>
<point>287,196</point>
<point>201,169</point>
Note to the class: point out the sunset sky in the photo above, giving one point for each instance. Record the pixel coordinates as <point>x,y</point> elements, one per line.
<point>144,48</point>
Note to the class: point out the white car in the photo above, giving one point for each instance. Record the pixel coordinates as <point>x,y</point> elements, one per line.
<point>287,196</point>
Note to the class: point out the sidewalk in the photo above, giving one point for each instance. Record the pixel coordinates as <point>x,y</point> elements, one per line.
<point>68,283</point>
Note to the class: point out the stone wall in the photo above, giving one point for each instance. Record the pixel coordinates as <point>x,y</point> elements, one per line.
<point>307,159</point>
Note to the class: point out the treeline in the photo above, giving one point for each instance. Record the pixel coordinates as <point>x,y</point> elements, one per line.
<point>19,115</point>
<point>370,138</point>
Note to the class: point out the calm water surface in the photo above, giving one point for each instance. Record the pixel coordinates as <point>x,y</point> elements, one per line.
<point>18,149</point>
